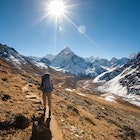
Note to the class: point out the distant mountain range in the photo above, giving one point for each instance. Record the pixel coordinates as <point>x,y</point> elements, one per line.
<point>65,61</point>
<point>69,62</point>
<point>118,76</point>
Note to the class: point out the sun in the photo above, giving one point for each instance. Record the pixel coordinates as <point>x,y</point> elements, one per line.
<point>56,11</point>
<point>56,8</point>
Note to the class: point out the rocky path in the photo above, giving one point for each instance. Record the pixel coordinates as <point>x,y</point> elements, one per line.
<point>44,127</point>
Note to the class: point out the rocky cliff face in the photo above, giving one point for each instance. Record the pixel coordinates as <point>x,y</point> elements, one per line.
<point>131,79</point>
<point>124,82</point>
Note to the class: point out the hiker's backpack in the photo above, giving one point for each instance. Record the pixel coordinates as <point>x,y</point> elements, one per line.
<point>47,86</point>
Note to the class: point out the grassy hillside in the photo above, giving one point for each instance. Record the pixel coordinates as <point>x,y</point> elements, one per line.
<point>80,114</point>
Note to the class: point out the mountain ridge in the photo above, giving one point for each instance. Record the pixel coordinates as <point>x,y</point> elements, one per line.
<point>123,81</point>
<point>80,111</point>
<point>65,61</point>
<point>76,65</point>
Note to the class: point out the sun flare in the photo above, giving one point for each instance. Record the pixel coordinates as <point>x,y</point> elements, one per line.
<point>56,11</point>
<point>56,8</point>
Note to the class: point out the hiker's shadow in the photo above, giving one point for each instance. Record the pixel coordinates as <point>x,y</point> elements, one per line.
<point>41,129</point>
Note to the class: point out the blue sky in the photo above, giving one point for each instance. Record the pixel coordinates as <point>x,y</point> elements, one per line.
<point>108,28</point>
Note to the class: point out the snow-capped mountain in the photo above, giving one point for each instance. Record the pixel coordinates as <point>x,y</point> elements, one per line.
<point>76,65</point>
<point>49,57</point>
<point>111,73</point>
<point>19,61</point>
<point>65,61</point>
<point>11,54</point>
<point>106,63</point>
<point>72,63</point>
<point>123,81</point>
<point>68,61</point>
<point>34,58</point>
<point>116,62</point>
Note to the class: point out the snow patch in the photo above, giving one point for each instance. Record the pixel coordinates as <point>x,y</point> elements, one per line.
<point>109,97</point>
<point>41,65</point>
<point>70,90</point>
<point>15,60</point>
<point>59,69</point>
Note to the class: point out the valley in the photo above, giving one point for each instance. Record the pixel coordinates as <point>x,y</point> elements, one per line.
<point>70,70</point>
<point>80,112</point>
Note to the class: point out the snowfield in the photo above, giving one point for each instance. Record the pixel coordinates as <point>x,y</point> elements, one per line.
<point>122,86</point>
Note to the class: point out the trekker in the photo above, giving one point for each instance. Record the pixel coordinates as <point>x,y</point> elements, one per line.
<point>47,88</point>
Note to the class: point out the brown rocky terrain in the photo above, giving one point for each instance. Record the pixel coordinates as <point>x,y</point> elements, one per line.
<point>78,113</point>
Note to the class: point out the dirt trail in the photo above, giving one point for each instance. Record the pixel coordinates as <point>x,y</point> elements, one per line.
<point>54,129</point>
